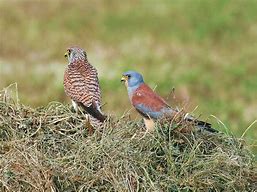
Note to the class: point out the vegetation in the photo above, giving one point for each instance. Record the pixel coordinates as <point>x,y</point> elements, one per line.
<point>49,149</point>
<point>205,49</point>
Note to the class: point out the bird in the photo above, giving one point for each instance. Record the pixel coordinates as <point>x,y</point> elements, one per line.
<point>150,105</point>
<point>81,85</point>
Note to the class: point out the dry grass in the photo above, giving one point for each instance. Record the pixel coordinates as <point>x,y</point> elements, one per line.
<point>48,149</point>
<point>204,49</point>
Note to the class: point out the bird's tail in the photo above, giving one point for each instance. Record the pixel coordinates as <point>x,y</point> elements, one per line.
<point>94,112</point>
<point>95,122</point>
<point>201,124</point>
<point>92,124</point>
<point>205,126</point>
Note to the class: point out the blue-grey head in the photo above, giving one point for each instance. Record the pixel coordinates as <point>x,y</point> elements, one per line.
<point>132,80</point>
<point>75,53</point>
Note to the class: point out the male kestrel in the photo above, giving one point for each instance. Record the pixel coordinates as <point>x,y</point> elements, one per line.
<point>82,86</point>
<point>150,105</point>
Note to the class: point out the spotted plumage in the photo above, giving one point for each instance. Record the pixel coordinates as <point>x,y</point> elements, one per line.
<point>81,84</point>
<point>150,105</point>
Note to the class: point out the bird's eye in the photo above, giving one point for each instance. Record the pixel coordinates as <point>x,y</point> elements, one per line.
<point>128,76</point>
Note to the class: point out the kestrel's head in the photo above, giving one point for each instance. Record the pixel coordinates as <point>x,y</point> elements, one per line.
<point>132,79</point>
<point>75,53</point>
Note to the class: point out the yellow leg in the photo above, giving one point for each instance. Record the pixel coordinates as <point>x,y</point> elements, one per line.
<point>89,126</point>
<point>149,124</point>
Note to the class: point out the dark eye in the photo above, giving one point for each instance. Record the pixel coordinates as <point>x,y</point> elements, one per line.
<point>128,76</point>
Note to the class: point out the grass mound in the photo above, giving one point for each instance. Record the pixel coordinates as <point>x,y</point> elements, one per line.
<point>48,149</point>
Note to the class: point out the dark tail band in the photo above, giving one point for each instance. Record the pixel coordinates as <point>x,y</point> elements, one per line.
<point>94,112</point>
<point>203,125</point>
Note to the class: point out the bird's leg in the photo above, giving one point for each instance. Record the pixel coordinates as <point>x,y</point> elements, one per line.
<point>88,125</point>
<point>149,124</point>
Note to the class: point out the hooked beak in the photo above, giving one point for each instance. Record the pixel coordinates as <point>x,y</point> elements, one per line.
<point>66,54</point>
<point>124,78</point>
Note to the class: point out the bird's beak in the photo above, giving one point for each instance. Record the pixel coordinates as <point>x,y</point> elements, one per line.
<point>66,54</point>
<point>124,78</point>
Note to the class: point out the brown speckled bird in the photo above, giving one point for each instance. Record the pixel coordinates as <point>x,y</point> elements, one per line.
<point>82,86</point>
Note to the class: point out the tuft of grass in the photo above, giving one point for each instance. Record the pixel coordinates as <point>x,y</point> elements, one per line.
<point>48,149</point>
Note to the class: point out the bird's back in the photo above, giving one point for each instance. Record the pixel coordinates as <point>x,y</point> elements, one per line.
<point>81,83</point>
<point>149,104</point>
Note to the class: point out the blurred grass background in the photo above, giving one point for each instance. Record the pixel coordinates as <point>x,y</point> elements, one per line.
<point>206,50</point>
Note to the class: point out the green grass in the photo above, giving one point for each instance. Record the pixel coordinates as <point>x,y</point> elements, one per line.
<point>205,49</point>
<point>49,149</point>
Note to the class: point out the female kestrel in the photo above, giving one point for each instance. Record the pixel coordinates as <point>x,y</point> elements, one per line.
<point>82,86</point>
<point>150,105</point>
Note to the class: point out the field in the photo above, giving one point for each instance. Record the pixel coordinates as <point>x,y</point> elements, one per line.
<point>199,55</point>
<point>206,50</point>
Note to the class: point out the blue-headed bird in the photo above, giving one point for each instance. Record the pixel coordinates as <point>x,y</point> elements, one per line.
<point>150,105</point>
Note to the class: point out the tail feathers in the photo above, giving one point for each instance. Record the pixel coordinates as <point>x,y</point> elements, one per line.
<point>94,112</point>
<point>206,126</point>
<point>95,122</point>
<point>92,124</point>
<point>201,124</point>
